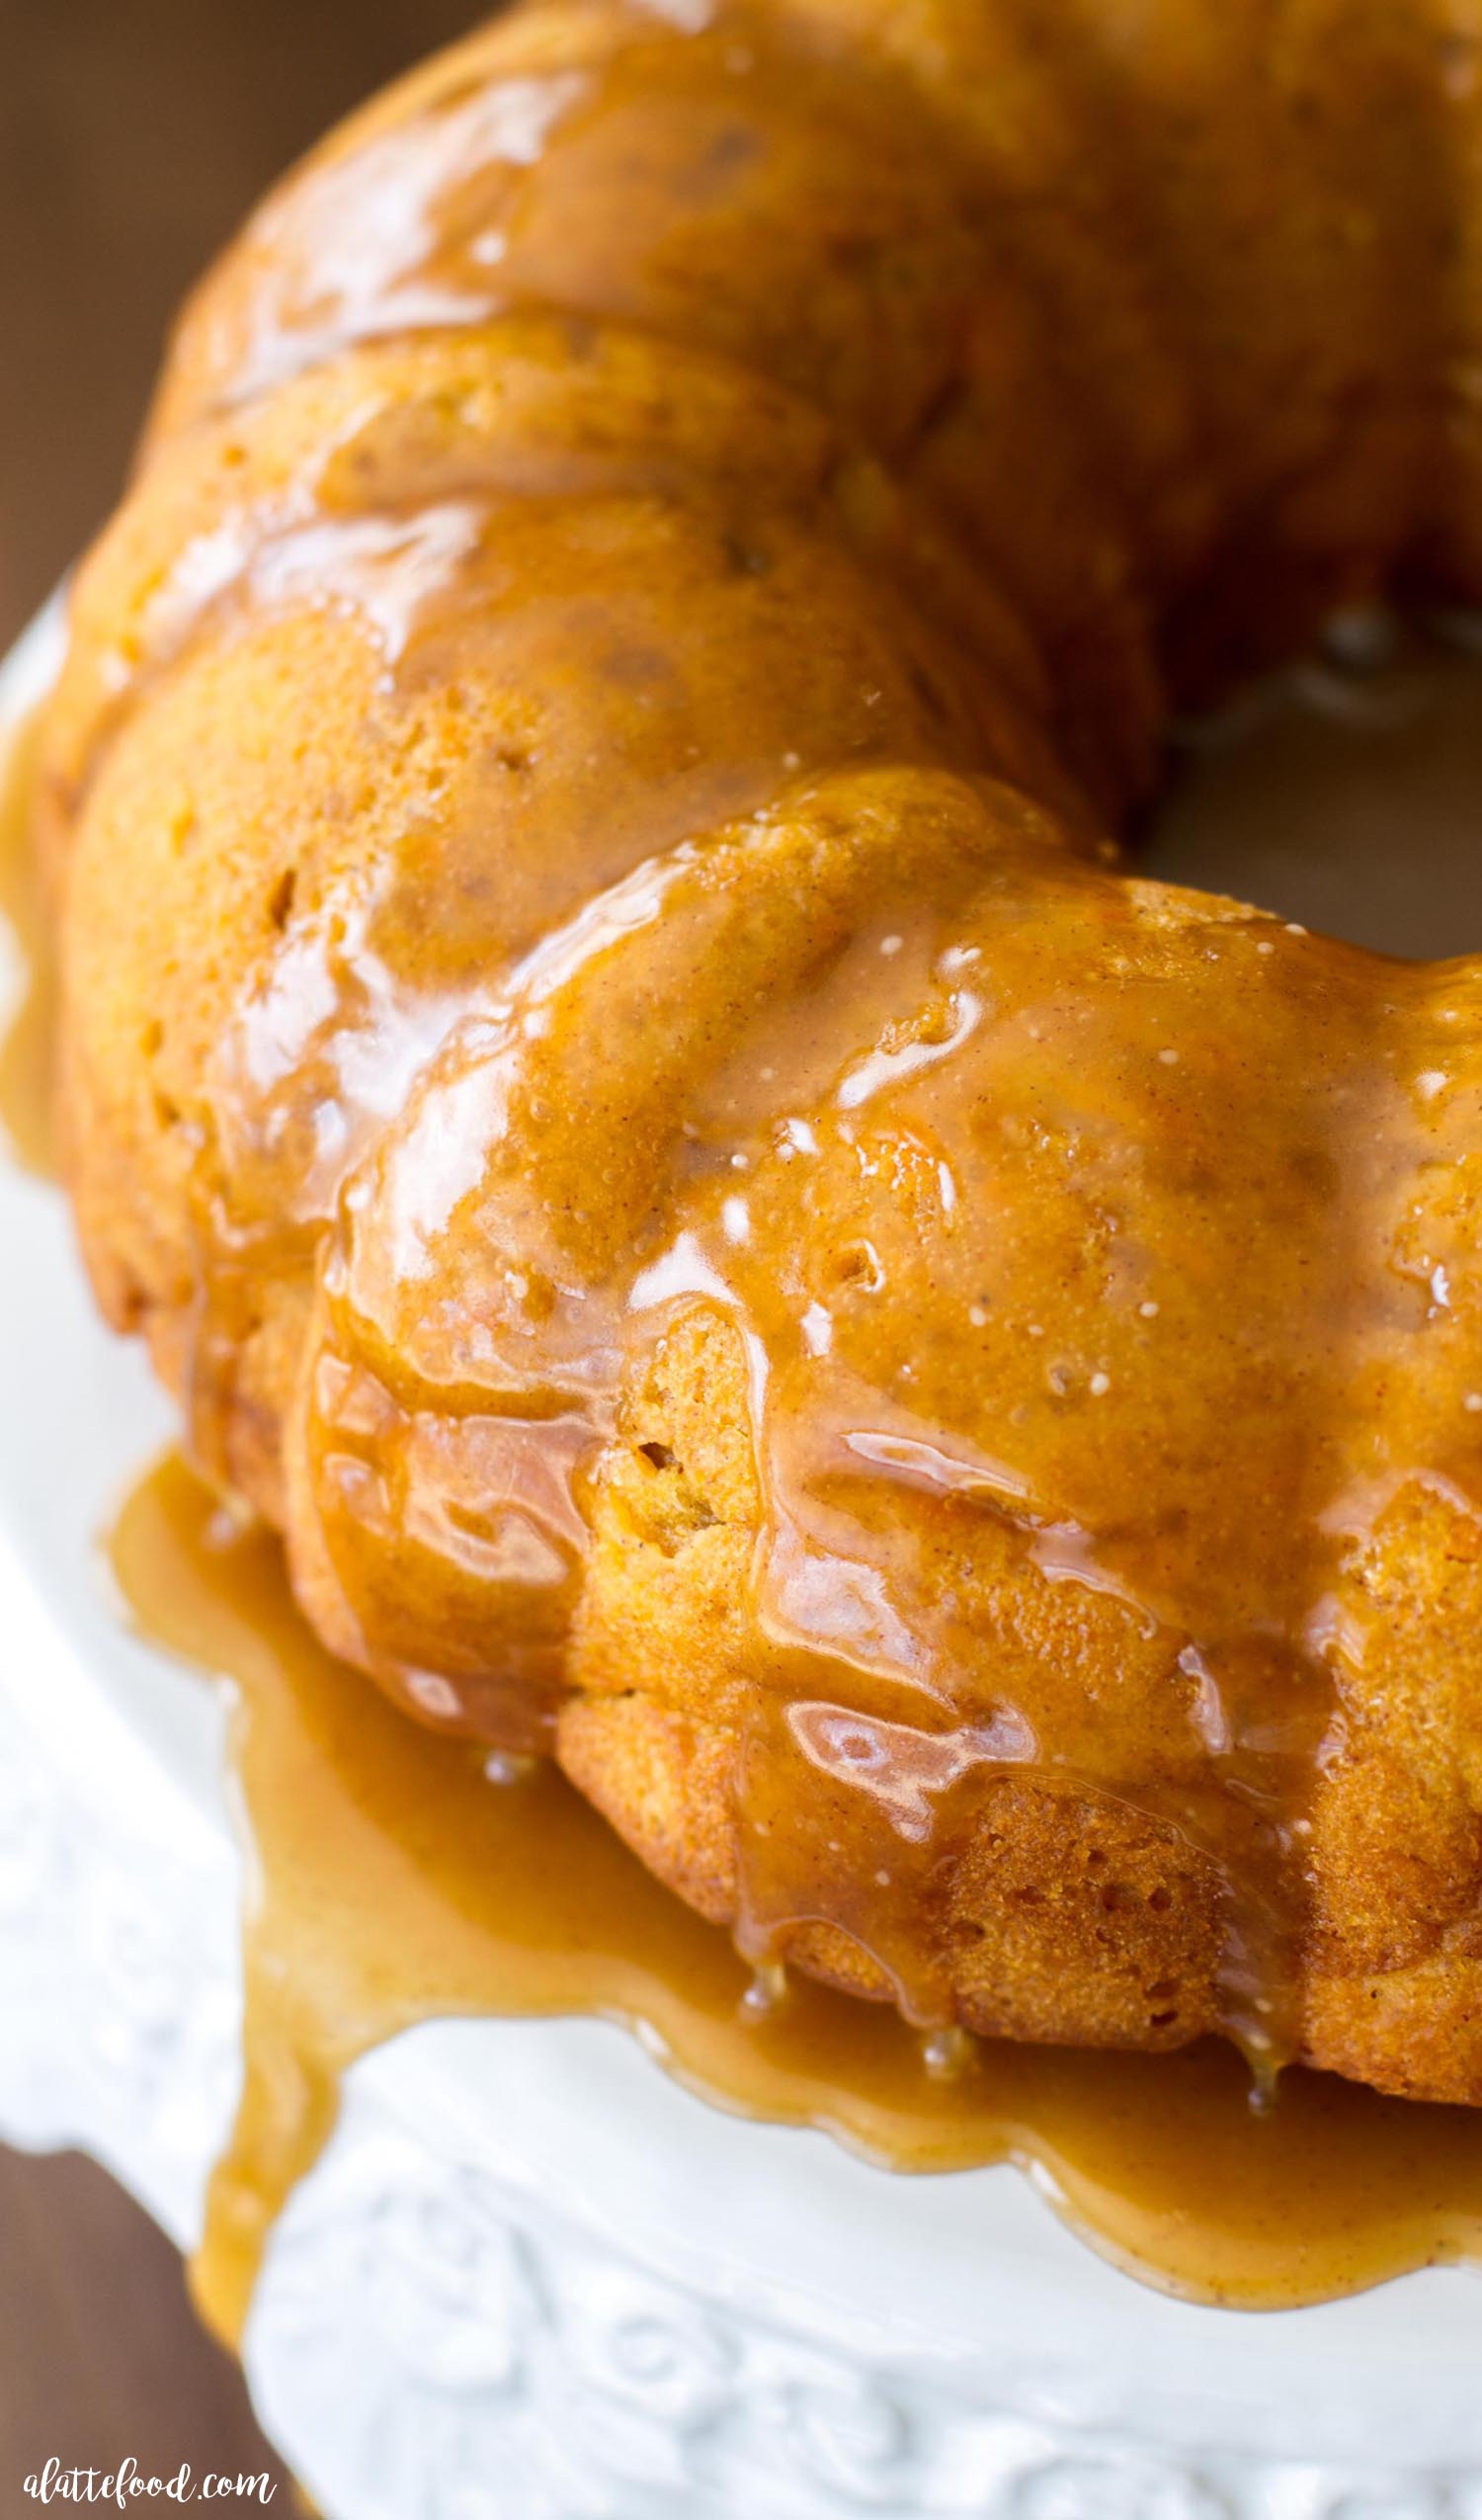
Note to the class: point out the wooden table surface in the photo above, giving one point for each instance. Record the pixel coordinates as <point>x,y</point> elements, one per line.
<point>101,2357</point>
<point>134,134</point>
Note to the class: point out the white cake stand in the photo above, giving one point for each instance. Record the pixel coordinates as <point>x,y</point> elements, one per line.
<point>533,2279</point>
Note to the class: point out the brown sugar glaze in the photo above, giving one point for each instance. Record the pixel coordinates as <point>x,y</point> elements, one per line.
<point>911,977</point>
<point>392,1881</point>
<point>606,1050</point>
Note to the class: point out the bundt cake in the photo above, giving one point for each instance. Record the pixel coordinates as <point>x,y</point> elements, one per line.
<point>608,1048</point>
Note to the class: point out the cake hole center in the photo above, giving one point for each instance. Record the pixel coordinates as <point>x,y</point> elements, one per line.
<point>1344,791</point>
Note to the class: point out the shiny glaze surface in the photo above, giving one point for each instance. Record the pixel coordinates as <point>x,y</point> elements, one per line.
<point>606,1047</point>
<point>399,1877</point>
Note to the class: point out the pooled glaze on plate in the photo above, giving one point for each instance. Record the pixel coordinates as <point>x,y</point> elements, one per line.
<point>395,1879</point>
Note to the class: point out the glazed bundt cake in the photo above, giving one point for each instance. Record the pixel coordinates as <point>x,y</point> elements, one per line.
<point>607,1047</point>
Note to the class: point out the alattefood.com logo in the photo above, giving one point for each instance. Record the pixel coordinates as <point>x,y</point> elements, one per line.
<point>127,2485</point>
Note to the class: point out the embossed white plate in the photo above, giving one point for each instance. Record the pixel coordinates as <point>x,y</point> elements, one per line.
<point>533,2279</point>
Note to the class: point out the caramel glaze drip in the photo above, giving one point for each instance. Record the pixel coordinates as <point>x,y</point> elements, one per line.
<point>639,602</point>
<point>393,1881</point>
